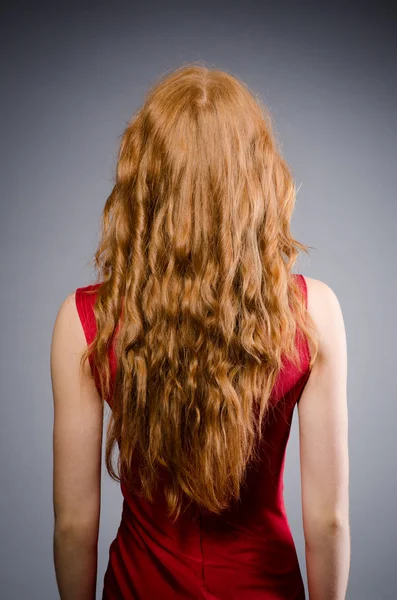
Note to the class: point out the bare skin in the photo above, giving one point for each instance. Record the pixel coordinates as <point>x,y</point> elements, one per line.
<point>323,437</point>
<point>77,442</point>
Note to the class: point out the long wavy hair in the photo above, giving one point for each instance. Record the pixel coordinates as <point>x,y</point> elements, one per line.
<point>195,264</point>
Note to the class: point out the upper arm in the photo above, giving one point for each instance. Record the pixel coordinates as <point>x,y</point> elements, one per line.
<point>78,419</point>
<point>323,418</point>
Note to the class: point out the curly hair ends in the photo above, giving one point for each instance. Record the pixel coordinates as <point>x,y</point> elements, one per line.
<point>195,260</point>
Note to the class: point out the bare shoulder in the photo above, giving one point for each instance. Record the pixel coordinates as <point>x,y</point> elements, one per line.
<point>68,335</point>
<point>68,318</point>
<point>325,309</point>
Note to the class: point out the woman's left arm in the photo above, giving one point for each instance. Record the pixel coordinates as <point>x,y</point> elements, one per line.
<point>77,454</point>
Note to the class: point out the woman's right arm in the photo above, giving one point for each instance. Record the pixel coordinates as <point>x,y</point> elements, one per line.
<point>324,459</point>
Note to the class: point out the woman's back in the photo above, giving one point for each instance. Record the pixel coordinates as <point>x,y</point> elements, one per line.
<point>247,552</point>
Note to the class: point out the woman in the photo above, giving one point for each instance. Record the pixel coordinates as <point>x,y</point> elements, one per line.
<point>202,341</point>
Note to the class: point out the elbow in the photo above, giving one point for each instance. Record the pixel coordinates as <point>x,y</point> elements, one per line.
<point>321,529</point>
<point>337,524</point>
<point>85,532</point>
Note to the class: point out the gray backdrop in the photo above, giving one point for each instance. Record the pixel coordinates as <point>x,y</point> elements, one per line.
<point>72,76</point>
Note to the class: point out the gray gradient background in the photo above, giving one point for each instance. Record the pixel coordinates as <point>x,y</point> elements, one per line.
<point>72,76</point>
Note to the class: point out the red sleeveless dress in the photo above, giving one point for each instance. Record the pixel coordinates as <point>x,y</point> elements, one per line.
<point>248,553</point>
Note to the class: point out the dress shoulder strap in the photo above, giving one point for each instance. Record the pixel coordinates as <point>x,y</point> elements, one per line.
<point>85,299</point>
<point>303,285</point>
